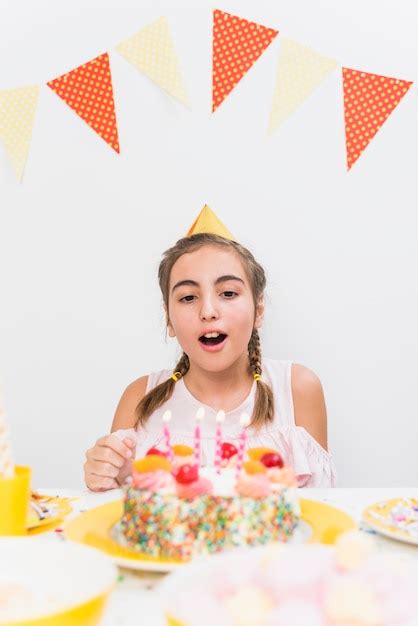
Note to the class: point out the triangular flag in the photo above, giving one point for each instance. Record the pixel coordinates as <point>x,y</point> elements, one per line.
<point>237,44</point>
<point>300,71</point>
<point>88,91</point>
<point>369,99</point>
<point>152,52</point>
<point>208,222</point>
<point>17,114</point>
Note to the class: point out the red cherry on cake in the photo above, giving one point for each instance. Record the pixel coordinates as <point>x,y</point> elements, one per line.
<point>228,450</point>
<point>155,451</point>
<point>272,459</point>
<point>187,473</point>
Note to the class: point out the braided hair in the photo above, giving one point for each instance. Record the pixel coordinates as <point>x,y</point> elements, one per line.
<point>264,401</point>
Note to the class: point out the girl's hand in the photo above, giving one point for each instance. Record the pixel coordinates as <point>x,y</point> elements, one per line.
<point>109,461</point>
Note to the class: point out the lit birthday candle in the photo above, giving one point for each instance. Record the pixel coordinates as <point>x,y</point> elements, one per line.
<point>6,457</point>
<point>166,419</point>
<point>244,421</point>
<point>220,418</point>
<point>197,434</point>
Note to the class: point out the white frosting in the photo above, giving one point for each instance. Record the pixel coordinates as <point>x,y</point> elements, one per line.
<point>224,485</point>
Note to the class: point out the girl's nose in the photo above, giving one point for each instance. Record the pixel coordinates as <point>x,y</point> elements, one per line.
<point>208,310</point>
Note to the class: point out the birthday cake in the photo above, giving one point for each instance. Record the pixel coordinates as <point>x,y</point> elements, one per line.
<point>174,510</point>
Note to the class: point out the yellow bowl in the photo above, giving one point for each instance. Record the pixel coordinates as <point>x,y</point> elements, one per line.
<point>46,583</point>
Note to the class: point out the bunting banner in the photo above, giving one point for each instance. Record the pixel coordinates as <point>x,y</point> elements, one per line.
<point>300,71</point>
<point>237,44</point>
<point>369,99</point>
<point>88,91</point>
<point>152,52</point>
<point>17,115</point>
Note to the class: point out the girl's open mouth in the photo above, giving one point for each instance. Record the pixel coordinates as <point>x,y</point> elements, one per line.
<point>212,342</point>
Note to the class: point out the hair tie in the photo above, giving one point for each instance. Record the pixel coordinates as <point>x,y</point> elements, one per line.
<point>176,376</point>
<point>257,377</point>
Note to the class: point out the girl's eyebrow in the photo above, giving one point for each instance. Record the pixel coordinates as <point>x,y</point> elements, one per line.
<point>193,283</point>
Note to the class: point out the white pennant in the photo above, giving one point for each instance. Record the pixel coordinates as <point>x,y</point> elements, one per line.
<point>300,71</point>
<point>152,52</point>
<point>17,114</point>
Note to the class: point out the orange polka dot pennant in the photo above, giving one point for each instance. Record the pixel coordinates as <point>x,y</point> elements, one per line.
<point>237,44</point>
<point>88,91</point>
<point>369,99</point>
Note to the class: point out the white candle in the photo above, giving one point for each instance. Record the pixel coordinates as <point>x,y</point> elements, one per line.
<point>197,434</point>
<point>244,421</point>
<point>166,419</point>
<point>220,418</point>
<point>6,458</point>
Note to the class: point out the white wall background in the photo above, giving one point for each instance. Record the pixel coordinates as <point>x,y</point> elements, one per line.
<point>81,237</point>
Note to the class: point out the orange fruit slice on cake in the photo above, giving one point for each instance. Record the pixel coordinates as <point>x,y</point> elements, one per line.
<point>254,467</point>
<point>151,463</point>
<point>182,450</point>
<point>255,454</point>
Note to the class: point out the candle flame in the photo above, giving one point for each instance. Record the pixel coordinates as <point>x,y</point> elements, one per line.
<point>167,416</point>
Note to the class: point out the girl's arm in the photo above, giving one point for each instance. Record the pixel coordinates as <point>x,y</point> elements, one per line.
<point>309,403</point>
<point>125,411</point>
<point>109,460</point>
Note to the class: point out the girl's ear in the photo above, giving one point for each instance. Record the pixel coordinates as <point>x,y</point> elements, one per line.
<point>259,313</point>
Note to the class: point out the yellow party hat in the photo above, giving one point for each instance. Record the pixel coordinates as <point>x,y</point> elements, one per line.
<point>208,222</point>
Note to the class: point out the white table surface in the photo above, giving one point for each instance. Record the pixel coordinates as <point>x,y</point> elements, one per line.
<point>135,599</point>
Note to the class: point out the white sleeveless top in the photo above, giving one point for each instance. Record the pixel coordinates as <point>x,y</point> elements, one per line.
<point>312,464</point>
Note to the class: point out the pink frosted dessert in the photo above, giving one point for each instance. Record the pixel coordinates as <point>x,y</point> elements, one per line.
<point>349,584</point>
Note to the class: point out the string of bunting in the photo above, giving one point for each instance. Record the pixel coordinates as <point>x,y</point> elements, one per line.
<point>237,43</point>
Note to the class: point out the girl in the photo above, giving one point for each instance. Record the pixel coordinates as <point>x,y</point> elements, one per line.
<point>213,298</point>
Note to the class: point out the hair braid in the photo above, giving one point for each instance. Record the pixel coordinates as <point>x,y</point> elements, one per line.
<point>161,393</point>
<point>264,401</point>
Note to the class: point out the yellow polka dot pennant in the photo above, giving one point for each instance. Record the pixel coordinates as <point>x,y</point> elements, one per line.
<point>369,99</point>
<point>300,71</point>
<point>17,115</point>
<point>152,52</point>
<point>88,91</point>
<point>237,44</point>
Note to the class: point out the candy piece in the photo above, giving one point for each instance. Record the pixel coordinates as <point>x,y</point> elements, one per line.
<point>349,601</point>
<point>155,451</point>
<point>352,548</point>
<point>228,450</point>
<point>151,463</point>
<point>254,467</point>
<point>255,454</point>
<point>272,459</point>
<point>182,450</point>
<point>187,473</point>
<point>249,606</point>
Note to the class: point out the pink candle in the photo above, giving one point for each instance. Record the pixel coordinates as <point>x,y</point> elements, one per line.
<point>169,449</point>
<point>197,434</point>
<point>244,421</point>
<point>220,418</point>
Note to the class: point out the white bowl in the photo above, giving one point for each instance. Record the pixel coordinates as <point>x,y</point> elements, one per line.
<point>49,583</point>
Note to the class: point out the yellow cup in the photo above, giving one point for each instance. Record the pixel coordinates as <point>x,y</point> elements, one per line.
<point>14,502</point>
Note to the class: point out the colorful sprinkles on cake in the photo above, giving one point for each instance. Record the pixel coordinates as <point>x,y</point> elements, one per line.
<point>165,525</point>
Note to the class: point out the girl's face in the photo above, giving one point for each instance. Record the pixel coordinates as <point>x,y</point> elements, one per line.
<point>209,293</point>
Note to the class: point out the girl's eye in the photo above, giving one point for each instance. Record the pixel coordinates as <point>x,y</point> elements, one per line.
<point>229,294</point>
<point>187,299</point>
